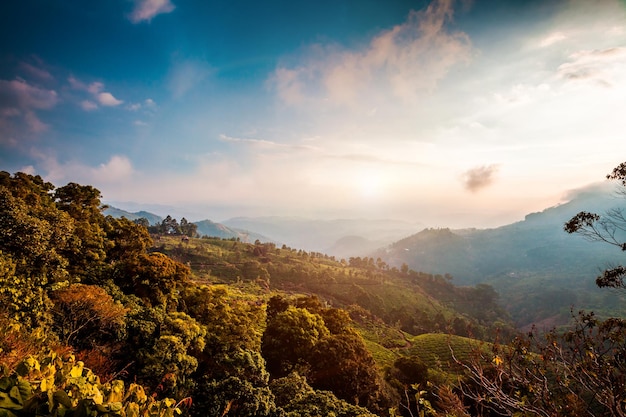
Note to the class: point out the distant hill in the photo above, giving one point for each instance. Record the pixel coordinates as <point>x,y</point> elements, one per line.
<point>348,246</point>
<point>339,237</point>
<point>539,270</point>
<point>205,227</point>
<point>117,213</point>
<point>212,229</point>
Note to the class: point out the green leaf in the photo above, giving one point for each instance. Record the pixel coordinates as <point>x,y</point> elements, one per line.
<point>61,397</point>
<point>15,395</point>
<point>8,403</point>
<point>6,413</point>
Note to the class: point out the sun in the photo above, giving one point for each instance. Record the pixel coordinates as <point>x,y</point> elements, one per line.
<point>369,184</point>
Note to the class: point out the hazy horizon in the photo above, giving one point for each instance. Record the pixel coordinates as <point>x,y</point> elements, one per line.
<point>448,113</point>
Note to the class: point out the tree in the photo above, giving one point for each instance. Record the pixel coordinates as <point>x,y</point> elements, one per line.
<point>289,339</point>
<point>86,250</point>
<point>187,228</point>
<point>172,358</point>
<point>125,239</point>
<point>152,277</point>
<point>231,323</point>
<point>342,364</point>
<point>297,398</point>
<point>608,228</point>
<point>86,316</point>
<point>169,226</point>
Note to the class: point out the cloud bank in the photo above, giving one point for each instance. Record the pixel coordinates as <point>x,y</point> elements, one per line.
<point>402,63</point>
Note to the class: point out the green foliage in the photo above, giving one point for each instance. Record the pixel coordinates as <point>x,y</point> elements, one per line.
<point>232,320</point>
<point>289,338</point>
<point>24,297</point>
<point>153,277</point>
<point>126,239</point>
<point>62,386</point>
<point>235,397</point>
<point>171,357</point>
<point>297,398</point>
<point>86,251</point>
<point>342,364</point>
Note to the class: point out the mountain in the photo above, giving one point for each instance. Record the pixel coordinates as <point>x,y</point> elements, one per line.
<point>117,213</point>
<point>339,237</point>
<point>540,271</point>
<point>212,229</point>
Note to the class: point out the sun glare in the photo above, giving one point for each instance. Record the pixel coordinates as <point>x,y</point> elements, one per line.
<point>369,184</point>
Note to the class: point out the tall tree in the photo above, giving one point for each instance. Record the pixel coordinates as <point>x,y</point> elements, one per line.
<point>87,250</point>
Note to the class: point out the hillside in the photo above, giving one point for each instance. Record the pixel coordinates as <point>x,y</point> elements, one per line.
<point>540,271</point>
<point>101,318</point>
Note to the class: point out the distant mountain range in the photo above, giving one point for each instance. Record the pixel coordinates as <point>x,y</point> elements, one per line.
<point>342,238</point>
<point>540,271</point>
<point>117,213</point>
<point>339,237</point>
<point>205,227</point>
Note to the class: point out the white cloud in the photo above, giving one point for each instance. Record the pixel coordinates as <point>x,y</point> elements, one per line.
<point>117,170</point>
<point>19,93</point>
<point>20,100</point>
<point>405,62</point>
<point>146,10</point>
<point>604,67</point>
<point>551,39</point>
<point>88,105</point>
<point>95,87</point>
<point>96,90</point>
<point>107,99</point>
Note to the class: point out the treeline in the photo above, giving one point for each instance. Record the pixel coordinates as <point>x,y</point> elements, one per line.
<point>170,226</point>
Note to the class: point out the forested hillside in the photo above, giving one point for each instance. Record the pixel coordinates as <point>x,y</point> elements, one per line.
<point>540,271</point>
<point>101,318</point>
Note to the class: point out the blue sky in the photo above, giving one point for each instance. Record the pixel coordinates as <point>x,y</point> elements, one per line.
<point>449,113</point>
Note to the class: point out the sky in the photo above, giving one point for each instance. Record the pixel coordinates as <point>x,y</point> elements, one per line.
<point>448,113</point>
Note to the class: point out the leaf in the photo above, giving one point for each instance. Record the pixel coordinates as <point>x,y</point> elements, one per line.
<point>5,383</point>
<point>62,398</point>
<point>132,410</point>
<point>15,395</point>
<point>8,403</point>
<point>77,370</point>
<point>117,392</point>
<point>6,413</point>
<point>43,386</point>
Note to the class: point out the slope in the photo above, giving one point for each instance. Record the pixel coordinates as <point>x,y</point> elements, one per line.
<point>540,271</point>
